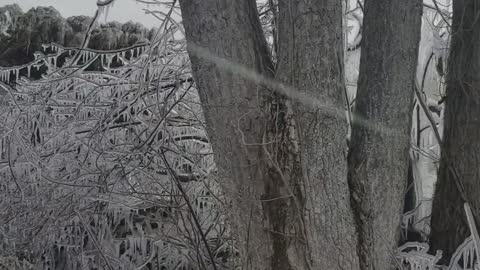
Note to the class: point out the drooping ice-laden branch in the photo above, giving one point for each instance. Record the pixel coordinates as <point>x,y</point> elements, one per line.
<point>84,138</point>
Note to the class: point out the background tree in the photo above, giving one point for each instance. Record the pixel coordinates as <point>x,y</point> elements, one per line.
<point>459,172</point>
<point>378,158</point>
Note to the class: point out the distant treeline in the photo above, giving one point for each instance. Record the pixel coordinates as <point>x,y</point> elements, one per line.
<point>21,34</point>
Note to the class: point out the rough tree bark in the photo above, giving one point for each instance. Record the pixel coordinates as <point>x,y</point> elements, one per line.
<point>310,60</point>
<point>461,145</point>
<point>233,110</point>
<point>287,182</point>
<point>378,158</point>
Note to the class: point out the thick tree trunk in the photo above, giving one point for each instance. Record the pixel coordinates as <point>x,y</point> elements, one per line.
<point>378,158</point>
<point>225,42</point>
<point>461,145</point>
<point>309,60</point>
<point>230,31</point>
<point>283,220</point>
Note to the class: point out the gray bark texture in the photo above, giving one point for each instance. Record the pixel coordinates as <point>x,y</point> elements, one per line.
<point>310,59</point>
<point>283,166</point>
<point>459,172</point>
<point>378,157</point>
<point>233,108</point>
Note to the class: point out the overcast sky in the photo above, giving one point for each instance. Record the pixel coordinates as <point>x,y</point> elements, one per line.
<point>122,11</point>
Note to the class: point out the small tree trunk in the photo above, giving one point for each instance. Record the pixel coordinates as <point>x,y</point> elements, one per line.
<point>378,158</point>
<point>460,162</point>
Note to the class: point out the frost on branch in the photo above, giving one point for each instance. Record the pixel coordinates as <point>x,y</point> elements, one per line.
<point>93,155</point>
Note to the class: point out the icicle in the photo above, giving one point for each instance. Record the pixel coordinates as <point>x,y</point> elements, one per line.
<point>29,70</point>
<point>107,9</point>
<point>101,10</point>
<point>467,258</point>
<point>17,74</point>
<point>144,245</point>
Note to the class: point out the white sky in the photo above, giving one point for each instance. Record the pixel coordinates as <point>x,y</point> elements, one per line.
<point>122,11</point>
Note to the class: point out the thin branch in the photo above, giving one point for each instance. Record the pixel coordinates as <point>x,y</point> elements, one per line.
<point>190,207</point>
<point>433,124</point>
<point>94,240</point>
<point>441,13</point>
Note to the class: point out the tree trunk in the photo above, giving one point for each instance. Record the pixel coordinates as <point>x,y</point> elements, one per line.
<point>288,185</point>
<point>460,162</point>
<point>310,60</point>
<point>378,158</point>
<point>230,31</point>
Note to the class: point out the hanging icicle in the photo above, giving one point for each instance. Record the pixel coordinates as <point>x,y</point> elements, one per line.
<point>82,57</point>
<point>54,61</point>
<point>106,10</point>
<point>109,60</point>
